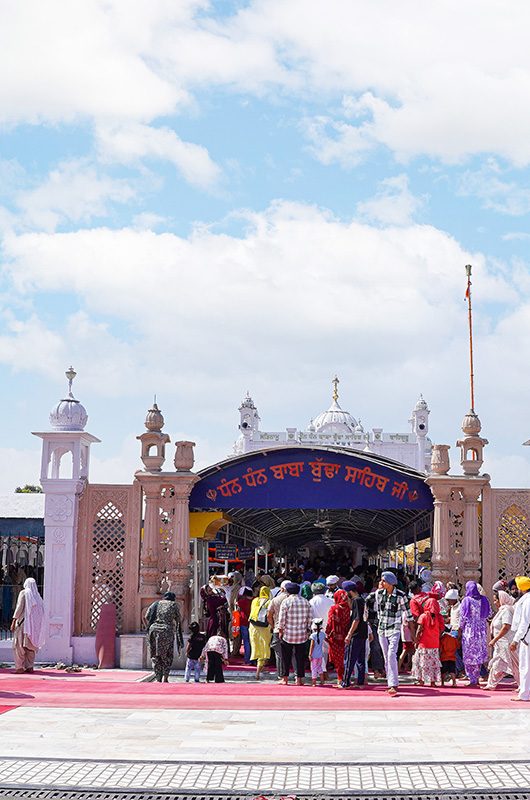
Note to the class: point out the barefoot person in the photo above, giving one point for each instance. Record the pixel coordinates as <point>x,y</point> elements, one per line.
<point>337,629</point>
<point>474,613</point>
<point>503,660</point>
<point>260,631</point>
<point>521,637</point>
<point>294,627</point>
<point>426,665</point>
<point>163,618</point>
<point>27,626</point>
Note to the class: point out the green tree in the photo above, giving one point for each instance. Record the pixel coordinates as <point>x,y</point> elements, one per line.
<point>29,488</point>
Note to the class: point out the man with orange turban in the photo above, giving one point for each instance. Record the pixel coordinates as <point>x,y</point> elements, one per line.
<point>521,628</point>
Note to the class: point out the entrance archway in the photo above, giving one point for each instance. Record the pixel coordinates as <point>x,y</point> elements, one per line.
<point>296,496</point>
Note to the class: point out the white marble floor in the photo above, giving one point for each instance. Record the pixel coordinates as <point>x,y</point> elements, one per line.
<point>267,736</point>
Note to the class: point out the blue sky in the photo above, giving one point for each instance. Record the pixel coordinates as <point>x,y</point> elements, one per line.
<point>198,198</point>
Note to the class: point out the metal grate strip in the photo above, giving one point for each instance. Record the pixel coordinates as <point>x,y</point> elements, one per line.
<point>56,778</point>
<point>60,794</point>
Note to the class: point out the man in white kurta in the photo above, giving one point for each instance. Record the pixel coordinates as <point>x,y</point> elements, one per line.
<point>521,637</point>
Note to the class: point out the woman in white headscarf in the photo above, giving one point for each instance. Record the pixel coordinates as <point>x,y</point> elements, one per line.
<point>28,626</point>
<point>503,660</point>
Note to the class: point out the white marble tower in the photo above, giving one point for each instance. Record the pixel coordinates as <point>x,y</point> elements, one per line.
<point>64,472</point>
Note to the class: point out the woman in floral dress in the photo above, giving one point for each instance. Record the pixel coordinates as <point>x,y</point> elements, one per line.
<point>163,618</point>
<point>474,613</point>
<point>426,665</point>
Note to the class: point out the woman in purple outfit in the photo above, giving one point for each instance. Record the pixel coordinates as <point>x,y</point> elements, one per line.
<point>474,613</point>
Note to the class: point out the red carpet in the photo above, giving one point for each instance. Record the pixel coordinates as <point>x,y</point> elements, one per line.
<point>118,675</point>
<point>60,691</point>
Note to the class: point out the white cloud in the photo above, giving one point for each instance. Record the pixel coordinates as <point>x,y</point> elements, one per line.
<point>148,221</point>
<point>299,296</point>
<point>74,192</point>
<point>28,344</point>
<point>297,287</point>
<point>394,204</point>
<point>79,60</point>
<point>19,466</point>
<point>495,192</point>
<point>413,77</point>
<point>334,141</point>
<point>132,143</point>
<point>516,236</point>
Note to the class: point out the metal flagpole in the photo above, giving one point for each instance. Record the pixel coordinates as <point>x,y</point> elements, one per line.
<point>196,579</point>
<point>470,320</point>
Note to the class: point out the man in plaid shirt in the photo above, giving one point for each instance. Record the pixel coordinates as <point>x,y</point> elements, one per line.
<point>294,626</point>
<point>392,608</point>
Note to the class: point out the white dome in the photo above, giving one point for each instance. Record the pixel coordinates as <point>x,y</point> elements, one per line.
<point>421,405</point>
<point>68,415</point>
<point>335,420</point>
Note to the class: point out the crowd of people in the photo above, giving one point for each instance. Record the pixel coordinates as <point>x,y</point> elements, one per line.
<point>337,626</point>
<point>341,626</point>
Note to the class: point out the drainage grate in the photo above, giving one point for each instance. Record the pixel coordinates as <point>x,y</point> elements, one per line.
<point>60,794</point>
<point>85,779</point>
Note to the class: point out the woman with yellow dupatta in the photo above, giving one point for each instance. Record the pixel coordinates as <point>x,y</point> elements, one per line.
<point>259,629</point>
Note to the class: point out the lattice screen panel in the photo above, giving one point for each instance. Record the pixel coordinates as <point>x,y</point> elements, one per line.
<point>456,528</point>
<point>513,543</point>
<point>107,563</point>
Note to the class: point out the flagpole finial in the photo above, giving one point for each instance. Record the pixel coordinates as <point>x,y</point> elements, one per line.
<point>468,270</point>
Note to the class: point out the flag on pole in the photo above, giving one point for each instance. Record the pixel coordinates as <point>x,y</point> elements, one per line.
<point>468,290</point>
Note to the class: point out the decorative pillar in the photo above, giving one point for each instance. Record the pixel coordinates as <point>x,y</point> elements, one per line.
<point>151,480</point>
<point>165,554</point>
<point>471,459</point>
<point>441,487</point>
<point>149,574</point>
<point>472,445</point>
<point>179,554</point>
<point>471,489</point>
<point>67,440</point>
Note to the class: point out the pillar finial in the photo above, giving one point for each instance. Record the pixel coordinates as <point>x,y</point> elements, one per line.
<point>70,375</point>
<point>335,383</point>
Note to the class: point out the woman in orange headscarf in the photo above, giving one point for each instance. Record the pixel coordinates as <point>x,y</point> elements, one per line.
<point>426,665</point>
<point>336,630</point>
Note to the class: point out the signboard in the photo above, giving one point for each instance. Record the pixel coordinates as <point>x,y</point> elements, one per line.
<point>245,552</point>
<point>298,477</point>
<point>225,551</point>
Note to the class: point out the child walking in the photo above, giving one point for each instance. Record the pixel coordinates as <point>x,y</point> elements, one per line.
<point>316,652</point>
<point>448,650</point>
<point>194,649</point>
<point>215,652</point>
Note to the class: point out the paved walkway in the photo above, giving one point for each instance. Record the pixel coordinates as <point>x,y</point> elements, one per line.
<point>266,736</point>
<point>294,745</point>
